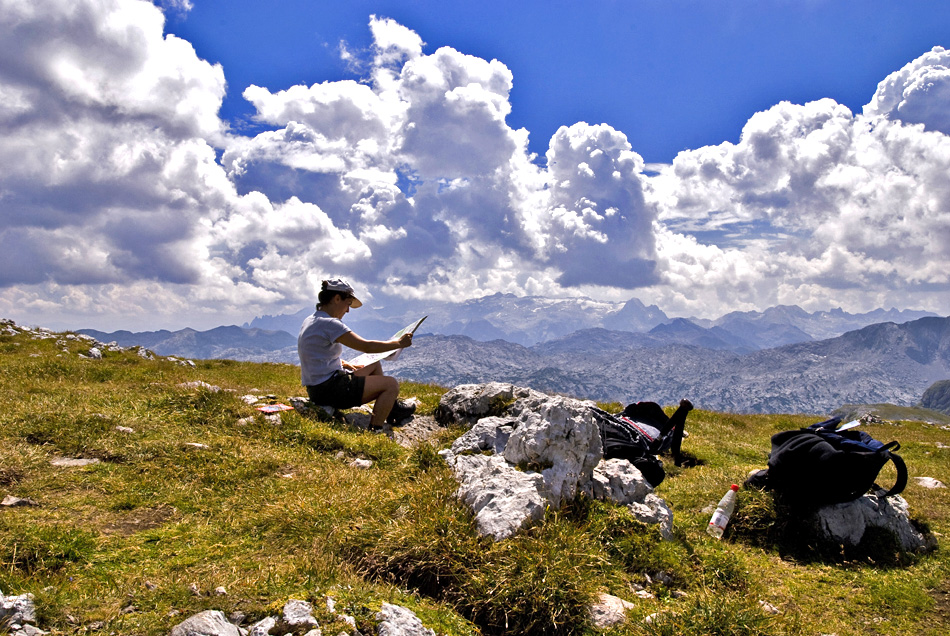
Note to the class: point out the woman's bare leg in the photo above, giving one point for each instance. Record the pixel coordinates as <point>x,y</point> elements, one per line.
<point>382,388</point>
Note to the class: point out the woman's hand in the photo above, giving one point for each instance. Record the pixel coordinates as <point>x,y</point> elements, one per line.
<point>405,340</point>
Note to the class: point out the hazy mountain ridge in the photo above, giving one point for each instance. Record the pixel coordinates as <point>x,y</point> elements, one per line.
<point>232,342</point>
<point>530,320</point>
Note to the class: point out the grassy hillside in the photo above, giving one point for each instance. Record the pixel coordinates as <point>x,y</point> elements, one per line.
<point>191,500</point>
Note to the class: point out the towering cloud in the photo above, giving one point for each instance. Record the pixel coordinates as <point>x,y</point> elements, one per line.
<point>123,194</point>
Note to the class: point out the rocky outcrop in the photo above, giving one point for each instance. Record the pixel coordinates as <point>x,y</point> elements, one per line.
<point>526,451</point>
<point>297,619</point>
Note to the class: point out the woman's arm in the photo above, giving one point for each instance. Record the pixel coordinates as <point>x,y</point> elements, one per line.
<point>353,341</point>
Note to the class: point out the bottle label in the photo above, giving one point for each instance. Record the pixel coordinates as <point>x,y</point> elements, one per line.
<point>719,519</point>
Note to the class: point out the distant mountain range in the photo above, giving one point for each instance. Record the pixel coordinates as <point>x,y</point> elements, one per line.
<point>783,359</point>
<point>529,320</point>
<point>882,363</point>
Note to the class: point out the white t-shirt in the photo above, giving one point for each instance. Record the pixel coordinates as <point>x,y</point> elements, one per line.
<point>317,347</point>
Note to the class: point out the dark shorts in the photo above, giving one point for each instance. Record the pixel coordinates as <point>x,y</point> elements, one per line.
<point>342,391</point>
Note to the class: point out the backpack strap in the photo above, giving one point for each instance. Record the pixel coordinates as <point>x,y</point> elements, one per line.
<point>901,482</point>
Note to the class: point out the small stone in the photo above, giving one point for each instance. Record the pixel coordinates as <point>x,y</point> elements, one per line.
<point>193,588</point>
<point>361,463</point>
<point>70,462</point>
<point>262,627</point>
<point>150,586</point>
<point>298,614</point>
<point>196,445</point>
<point>609,610</point>
<point>768,608</point>
<point>395,620</point>
<point>220,591</point>
<point>644,594</point>
<point>208,622</point>
<point>124,429</point>
<point>929,482</point>
<point>649,620</point>
<point>10,500</point>
<point>678,594</point>
<point>198,384</point>
<point>665,578</point>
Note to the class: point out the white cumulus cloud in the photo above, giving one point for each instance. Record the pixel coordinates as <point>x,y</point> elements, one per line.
<point>124,196</point>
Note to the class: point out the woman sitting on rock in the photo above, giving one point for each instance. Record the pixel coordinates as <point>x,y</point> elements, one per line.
<point>330,381</point>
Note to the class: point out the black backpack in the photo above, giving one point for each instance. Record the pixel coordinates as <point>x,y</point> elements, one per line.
<point>641,432</point>
<point>819,466</point>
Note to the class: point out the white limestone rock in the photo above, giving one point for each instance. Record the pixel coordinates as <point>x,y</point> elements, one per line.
<point>502,498</point>
<point>488,434</point>
<point>395,620</point>
<point>18,608</point>
<point>609,611</point>
<point>468,403</point>
<point>207,623</point>
<point>654,510</point>
<point>619,481</point>
<point>559,435</point>
<point>929,482</point>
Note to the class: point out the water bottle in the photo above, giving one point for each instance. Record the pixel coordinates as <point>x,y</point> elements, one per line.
<point>720,518</point>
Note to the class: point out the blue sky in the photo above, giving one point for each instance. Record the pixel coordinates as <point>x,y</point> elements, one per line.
<point>201,162</point>
<point>672,75</point>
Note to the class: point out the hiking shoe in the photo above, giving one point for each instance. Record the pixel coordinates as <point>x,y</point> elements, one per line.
<point>402,410</point>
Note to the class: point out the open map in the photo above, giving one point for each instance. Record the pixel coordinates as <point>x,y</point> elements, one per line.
<point>369,358</point>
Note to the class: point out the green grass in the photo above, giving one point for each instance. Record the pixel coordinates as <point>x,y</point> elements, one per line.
<point>272,512</point>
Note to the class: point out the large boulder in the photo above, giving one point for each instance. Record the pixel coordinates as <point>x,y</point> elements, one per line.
<point>847,523</point>
<point>560,436</point>
<point>502,498</point>
<point>468,403</point>
<point>526,450</point>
